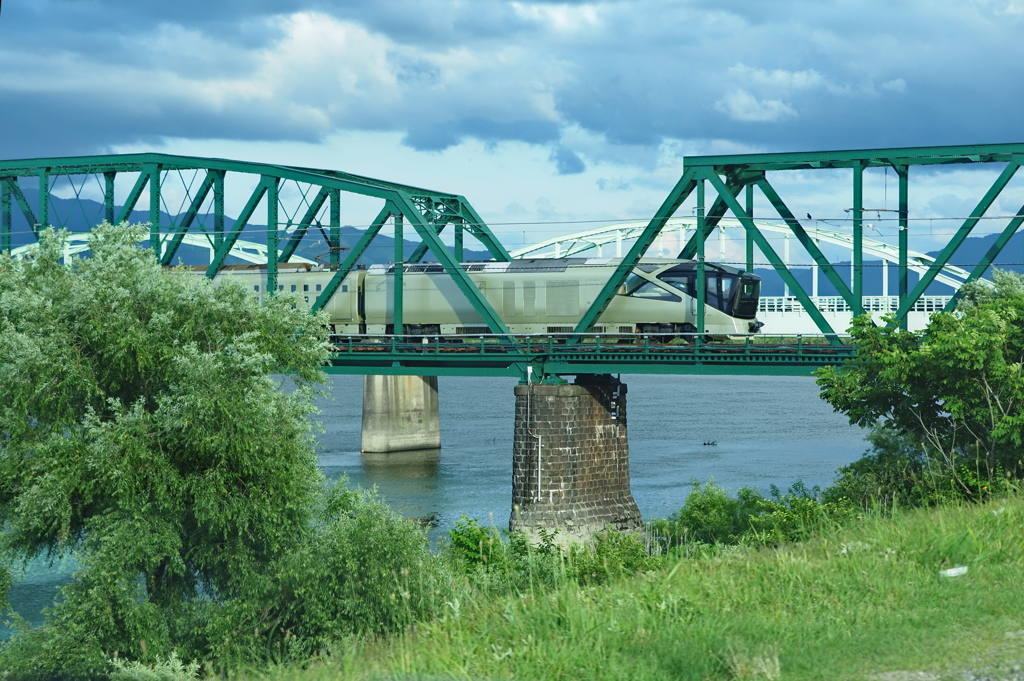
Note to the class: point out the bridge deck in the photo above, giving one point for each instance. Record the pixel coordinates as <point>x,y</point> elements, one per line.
<point>547,355</point>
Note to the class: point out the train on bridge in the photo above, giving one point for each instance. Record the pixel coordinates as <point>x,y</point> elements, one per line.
<point>532,296</point>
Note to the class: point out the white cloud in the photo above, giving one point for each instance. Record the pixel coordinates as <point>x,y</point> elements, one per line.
<point>740,105</point>
<point>777,79</point>
<point>895,85</point>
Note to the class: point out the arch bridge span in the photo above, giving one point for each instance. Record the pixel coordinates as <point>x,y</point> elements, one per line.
<point>782,314</point>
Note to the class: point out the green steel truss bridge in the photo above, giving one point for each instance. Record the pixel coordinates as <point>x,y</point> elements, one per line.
<point>185,199</point>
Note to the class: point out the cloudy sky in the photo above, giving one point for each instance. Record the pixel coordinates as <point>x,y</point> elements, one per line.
<point>541,113</point>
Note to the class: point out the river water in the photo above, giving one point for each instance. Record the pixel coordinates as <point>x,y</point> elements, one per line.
<point>768,430</point>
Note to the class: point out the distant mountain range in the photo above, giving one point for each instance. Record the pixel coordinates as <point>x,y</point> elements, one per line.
<point>80,215</point>
<point>971,252</point>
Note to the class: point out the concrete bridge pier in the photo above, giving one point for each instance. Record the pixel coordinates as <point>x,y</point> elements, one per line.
<point>570,459</point>
<point>400,414</point>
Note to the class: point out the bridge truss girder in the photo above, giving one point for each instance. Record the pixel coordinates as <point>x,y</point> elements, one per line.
<point>731,176</point>
<point>428,212</point>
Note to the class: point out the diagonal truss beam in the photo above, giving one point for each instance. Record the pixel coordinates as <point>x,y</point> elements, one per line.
<point>133,197</point>
<point>357,251</point>
<point>186,221</point>
<point>451,266</point>
<point>314,208</point>
<point>762,243</point>
<point>236,230</point>
<point>965,230</point>
<point>992,253</point>
<point>808,243</point>
<point>683,188</point>
<point>19,197</point>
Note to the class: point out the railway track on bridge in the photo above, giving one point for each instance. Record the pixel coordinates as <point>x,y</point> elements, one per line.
<point>551,355</point>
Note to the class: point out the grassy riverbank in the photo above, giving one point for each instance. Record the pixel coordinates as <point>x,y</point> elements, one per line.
<point>857,601</point>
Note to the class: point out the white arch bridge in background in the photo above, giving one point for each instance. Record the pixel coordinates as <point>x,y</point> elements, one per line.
<point>246,251</point>
<point>781,314</point>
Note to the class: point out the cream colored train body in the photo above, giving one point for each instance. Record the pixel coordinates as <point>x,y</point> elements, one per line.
<point>539,296</point>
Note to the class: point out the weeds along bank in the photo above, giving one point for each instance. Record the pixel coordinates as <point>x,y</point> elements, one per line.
<point>849,603</point>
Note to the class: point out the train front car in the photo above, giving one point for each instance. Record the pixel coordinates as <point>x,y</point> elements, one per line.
<point>660,297</point>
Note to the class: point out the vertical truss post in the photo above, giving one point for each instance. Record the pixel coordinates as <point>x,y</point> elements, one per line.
<point>902,172</point>
<point>44,197</point>
<point>334,242</point>
<point>750,239</point>
<point>766,248</point>
<point>272,185</point>
<point>965,230</point>
<point>108,195</point>
<point>5,216</point>
<point>399,281</point>
<point>702,286</point>
<point>858,239</point>
<point>154,208</point>
<point>459,236</point>
<point>218,208</point>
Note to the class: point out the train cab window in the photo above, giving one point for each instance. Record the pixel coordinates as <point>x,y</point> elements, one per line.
<point>720,290</point>
<point>746,299</point>
<point>652,291</point>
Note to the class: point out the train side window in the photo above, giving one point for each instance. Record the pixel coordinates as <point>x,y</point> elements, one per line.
<point>305,287</point>
<point>508,298</point>
<point>280,287</point>
<point>562,298</point>
<point>682,282</point>
<point>529,299</point>
<point>256,288</point>
<point>343,288</point>
<point>293,288</point>
<point>652,291</point>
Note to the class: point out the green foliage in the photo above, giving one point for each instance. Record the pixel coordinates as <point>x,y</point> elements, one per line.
<point>144,428</point>
<point>1004,285</point>
<point>711,516</point>
<point>500,563</point>
<point>171,669</point>
<point>363,571</point>
<point>957,389</point>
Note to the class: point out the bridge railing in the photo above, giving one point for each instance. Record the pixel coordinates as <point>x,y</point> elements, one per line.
<point>837,304</point>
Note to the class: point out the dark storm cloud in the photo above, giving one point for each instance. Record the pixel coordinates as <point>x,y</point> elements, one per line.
<point>567,162</point>
<point>78,77</point>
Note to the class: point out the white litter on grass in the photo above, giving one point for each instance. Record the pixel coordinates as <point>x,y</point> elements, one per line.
<point>954,571</point>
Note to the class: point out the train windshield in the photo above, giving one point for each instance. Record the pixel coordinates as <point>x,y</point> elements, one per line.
<point>730,290</point>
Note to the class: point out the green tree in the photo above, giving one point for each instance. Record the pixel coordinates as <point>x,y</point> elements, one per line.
<point>956,389</point>
<point>145,429</point>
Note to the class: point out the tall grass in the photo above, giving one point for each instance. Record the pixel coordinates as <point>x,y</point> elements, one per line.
<point>854,601</point>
